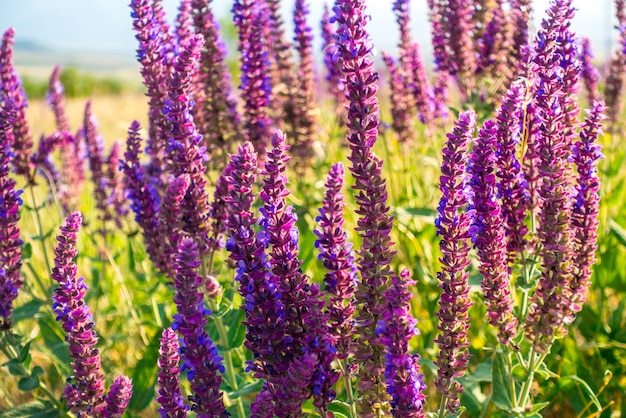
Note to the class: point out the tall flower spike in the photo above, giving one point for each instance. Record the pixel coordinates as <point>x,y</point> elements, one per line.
<point>169,218</point>
<point>10,242</point>
<point>405,383</point>
<point>118,398</point>
<point>309,347</point>
<point>401,106</point>
<point>250,19</point>
<point>453,224</point>
<point>614,84</point>
<point>169,393</point>
<point>545,320</point>
<point>489,234</point>
<point>85,390</point>
<point>304,102</point>
<point>199,355</point>
<point>216,112</point>
<point>338,259</point>
<point>187,154</point>
<point>95,155</point>
<point>585,153</point>
<point>155,73</point>
<point>264,310</point>
<point>459,27</point>
<point>589,72</point>
<point>331,59</point>
<point>115,183</point>
<point>374,224</point>
<point>143,198</point>
<point>21,141</point>
<point>512,184</point>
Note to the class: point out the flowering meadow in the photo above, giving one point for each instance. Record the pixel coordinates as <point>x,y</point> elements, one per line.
<point>370,237</point>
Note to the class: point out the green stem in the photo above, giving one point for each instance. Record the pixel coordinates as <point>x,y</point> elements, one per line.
<point>348,383</point>
<point>40,230</point>
<point>12,353</point>
<point>512,381</point>
<point>207,269</point>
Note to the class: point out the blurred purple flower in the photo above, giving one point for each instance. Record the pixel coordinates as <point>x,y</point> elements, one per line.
<point>589,72</point>
<point>169,393</point>
<point>118,398</point>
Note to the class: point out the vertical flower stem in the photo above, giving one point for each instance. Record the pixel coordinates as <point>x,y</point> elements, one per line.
<point>40,230</point>
<point>207,269</point>
<point>344,366</point>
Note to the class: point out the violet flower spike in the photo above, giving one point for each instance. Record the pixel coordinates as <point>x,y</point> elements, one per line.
<point>511,183</point>
<point>303,129</point>
<point>262,305</point>
<point>338,258</point>
<point>489,235</point>
<point>585,153</point>
<point>546,316</point>
<point>10,242</point>
<point>589,72</point>
<point>374,224</point>
<point>331,60</point>
<point>118,398</point>
<point>169,218</point>
<point>143,198</point>
<point>216,115</point>
<point>401,106</point>
<point>43,163</point>
<point>306,365</point>
<point>169,393</point>
<point>199,355</point>
<point>453,225</point>
<point>115,184</point>
<point>256,89</point>
<point>614,84</point>
<point>185,144</point>
<point>155,73</point>
<point>405,383</point>
<point>84,392</point>
<point>10,85</point>
<point>95,154</point>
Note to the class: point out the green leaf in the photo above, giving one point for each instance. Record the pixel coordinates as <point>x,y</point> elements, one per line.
<point>28,384</point>
<point>27,251</point>
<point>587,388</point>
<point>246,389</point>
<point>236,328</point>
<point>27,310</point>
<point>144,377</point>
<point>481,374</point>
<point>500,375</point>
<point>37,371</point>
<point>25,353</point>
<point>131,257</point>
<point>32,410</point>
<point>618,231</point>
<point>546,373</point>
<point>14,367</point>
<point>535,409</point>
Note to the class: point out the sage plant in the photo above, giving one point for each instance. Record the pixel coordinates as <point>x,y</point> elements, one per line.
<point>10,242</point>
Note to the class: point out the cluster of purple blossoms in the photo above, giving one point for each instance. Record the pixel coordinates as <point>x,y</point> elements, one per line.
<point>21,141</point>
<point>10,202</point>
<point>85,392</point>
<point>453,225</point>
<point>331,59</point>
<point>169,393</point>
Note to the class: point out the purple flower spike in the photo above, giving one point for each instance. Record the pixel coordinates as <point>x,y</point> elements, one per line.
<point>85,390</point>
<point>303,131</point>
<point>95,155</point>
<point>614,84</point>
<point>10,242</point>
<point>453,225</point>
<point>375,224</point>
<point>488,234</point>
<point>143,198</point>
<point>512,184</point>
<point>306,366</point>
<point>186,151</point>
<point>585,153</point>
<point>169,393</point>
<point>405,383</point>
<point>545,320</point>
<point>521,12</point>
<point>401,103</point>
<point>118,397</point>
<point>21,139</point>
<point>264,311</point>
<point>199,355</point>
<point>115,183</point>
<point>589,72</point>
<point>250,19</point>
<point>331,59</point>
<point>56,100</point>
<point>169,217</point>
<point>216,112</point>
<point>338,258</point>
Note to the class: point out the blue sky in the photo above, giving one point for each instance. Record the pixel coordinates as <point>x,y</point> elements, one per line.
<point>105,25</point>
